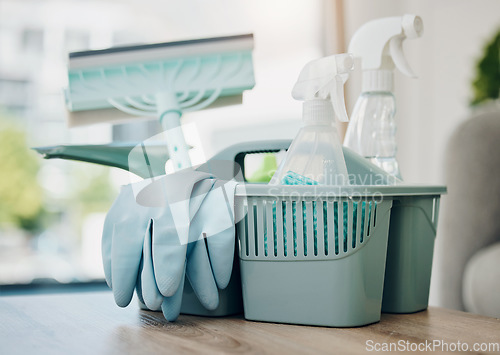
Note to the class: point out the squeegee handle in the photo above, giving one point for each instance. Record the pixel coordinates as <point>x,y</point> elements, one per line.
<point>170,118</point>
<point>176,145</point>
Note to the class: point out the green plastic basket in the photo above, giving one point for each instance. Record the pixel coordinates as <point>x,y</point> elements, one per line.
<point>317,275</point>
<point>409,253</point>
<point>412,230</point>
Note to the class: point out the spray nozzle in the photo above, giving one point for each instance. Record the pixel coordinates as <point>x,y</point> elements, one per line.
<point>324,79</point>
<point>379,43</point>
<point>412,28</point>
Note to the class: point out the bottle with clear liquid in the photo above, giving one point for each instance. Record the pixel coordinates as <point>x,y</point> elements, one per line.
<point>315,155</point>
<point>379,45</point>
<point>372,130</point>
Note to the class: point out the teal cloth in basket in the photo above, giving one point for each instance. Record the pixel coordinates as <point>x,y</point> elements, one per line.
<point>292,178</point>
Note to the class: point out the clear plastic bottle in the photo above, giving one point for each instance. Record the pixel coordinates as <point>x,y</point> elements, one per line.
<point>379,45</point>
<point>372,130</point>
<point>315,155</point>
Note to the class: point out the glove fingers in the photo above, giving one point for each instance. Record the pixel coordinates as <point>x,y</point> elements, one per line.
<point>171,306</point>
<point>138,288</point>
<point>107,239</point>
<point>221,252</point>
<point>107,236</point>
<point>152,297</point>
<point>125,199</point>
<point>171,228</point>
<point>125,261</point>
<point>215,218</point>
<point>169,258</point>
<point>143,306</point>
<point>199,274</point>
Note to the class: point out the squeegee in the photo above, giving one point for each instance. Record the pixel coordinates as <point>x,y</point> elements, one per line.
<point>162,81</point>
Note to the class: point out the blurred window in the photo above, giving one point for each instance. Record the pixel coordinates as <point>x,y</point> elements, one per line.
<point>52,211</point>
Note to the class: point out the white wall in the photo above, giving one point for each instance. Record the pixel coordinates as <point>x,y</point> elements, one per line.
<point>431,107</point>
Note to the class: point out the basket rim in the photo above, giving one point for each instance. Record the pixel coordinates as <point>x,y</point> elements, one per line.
<point>315,191</point>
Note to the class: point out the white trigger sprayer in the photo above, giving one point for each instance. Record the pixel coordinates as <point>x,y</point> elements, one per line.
<point>379,44</point>
<point>315,155</point>
<point>324,79</point>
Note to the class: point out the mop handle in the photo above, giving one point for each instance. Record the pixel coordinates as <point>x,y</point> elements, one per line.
<point>170,118</point>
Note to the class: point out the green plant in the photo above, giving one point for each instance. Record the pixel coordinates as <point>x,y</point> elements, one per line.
<point>486,85</point>
<point>20,194</point>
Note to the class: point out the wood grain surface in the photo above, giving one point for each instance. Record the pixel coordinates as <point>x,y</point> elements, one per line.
<point>90,323</point>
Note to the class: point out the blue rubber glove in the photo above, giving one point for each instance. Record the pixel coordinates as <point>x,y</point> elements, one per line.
<point>155,232</point>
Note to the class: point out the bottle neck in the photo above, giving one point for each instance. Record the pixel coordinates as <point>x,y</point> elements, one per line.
<point>318,112</point>
<point>377,81</point>
<point>372,94</point>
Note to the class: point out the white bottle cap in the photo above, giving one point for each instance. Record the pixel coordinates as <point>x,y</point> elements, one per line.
<point>377,80</point>
<point>318,111</point>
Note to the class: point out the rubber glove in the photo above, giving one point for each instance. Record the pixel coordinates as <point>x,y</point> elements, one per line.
<point>211,214</point>
<point>152,246</point>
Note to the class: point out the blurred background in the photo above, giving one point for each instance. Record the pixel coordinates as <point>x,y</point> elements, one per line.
<point>52,211</point>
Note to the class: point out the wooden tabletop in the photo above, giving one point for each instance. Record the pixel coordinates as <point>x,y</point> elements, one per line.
<point>90,323</point>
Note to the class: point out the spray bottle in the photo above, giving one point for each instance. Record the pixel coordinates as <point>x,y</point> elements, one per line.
<point>315,155</point>
<point>372,130</point>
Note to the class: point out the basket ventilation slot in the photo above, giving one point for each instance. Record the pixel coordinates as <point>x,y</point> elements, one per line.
<point>305,227</point>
